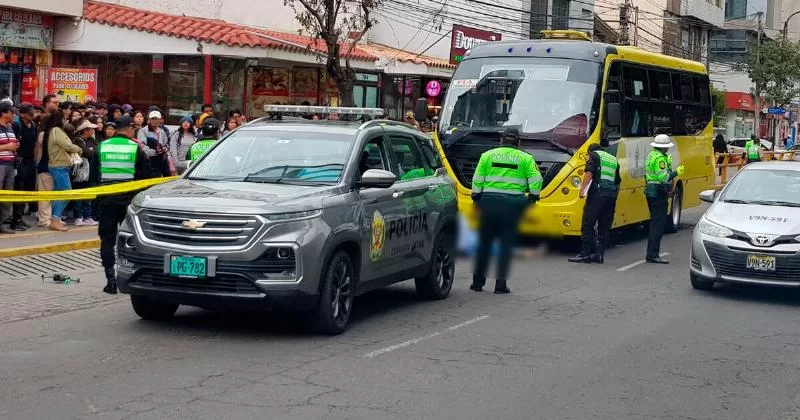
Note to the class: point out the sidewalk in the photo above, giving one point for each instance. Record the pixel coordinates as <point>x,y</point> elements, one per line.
<point>38,240</point>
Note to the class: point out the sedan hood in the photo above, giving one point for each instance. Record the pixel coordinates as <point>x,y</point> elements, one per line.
<point>233,197</point>
<point>754,218</point>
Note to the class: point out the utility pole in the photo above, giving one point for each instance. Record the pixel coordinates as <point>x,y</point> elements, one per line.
<point>636,26</point>
<point>624,17</point>
<point>757,99</point>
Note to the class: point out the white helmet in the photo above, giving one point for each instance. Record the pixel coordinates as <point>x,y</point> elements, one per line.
<point>662,141</point>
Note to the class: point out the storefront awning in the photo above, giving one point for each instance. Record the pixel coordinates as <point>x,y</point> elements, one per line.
<point>397,61</point>
<point>114,28</point>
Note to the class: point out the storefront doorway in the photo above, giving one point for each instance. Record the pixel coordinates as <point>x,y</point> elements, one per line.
<point>7,85</point>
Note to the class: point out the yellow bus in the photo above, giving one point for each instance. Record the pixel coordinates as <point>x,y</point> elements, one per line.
<point>563,93</point>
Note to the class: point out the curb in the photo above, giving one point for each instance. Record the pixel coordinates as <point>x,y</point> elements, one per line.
<point>50,248</point>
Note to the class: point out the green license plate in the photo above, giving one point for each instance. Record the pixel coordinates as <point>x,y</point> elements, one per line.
<point>188,266</point>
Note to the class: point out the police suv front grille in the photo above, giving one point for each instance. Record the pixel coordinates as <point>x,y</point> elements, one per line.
<point>267,263</point>
<point>222,283</point>
<point>465,169</point>
<point>731,262</point>
<point>198,229</point>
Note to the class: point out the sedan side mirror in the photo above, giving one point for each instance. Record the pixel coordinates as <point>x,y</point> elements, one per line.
<point>377,178</point>
<point>708,196</point>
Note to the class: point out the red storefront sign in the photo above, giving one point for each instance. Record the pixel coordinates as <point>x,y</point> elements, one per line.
<point>739,101</point>
<point>463,38</point>
<point>74,84</point>
<point>30,84</point>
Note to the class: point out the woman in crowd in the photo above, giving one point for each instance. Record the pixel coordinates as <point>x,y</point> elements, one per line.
<point>59,163</point>
<point>74,117</point>
<point>181,141</point>
<point>85,139</point>
<point>230,125</point>
<point>138,121</point>
<point>110,129</point>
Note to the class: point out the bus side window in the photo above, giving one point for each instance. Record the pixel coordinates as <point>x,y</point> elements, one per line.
<point>637,109</point>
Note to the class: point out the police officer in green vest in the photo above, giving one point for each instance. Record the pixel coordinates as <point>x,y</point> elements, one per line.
<point>121,160</point>
<point>600,184</point>
<point>506,181</point>
<point>659,176</point>
<point>751,151</point>
<point>209,133</point>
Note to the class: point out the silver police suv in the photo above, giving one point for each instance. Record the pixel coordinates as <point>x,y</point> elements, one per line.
<point>293,215</point>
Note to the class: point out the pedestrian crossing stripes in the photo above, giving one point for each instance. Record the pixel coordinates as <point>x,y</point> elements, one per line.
<point>69,263</point>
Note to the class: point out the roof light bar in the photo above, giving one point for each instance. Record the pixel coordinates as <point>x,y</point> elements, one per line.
<point>306,109</point>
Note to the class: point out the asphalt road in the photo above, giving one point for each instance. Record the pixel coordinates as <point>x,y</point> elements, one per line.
<point>571,342</point>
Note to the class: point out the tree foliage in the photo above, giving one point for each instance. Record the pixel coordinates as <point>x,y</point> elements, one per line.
<point>332,22</point>
<point>776,74</point>
<point>719,105</point>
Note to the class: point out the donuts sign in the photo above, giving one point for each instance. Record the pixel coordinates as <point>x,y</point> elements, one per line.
<point>463,38</point>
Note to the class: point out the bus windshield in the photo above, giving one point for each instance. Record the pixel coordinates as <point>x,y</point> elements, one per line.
<point>549,99</point>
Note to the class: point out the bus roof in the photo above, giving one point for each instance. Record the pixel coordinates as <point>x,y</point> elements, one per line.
<point>582,50</point>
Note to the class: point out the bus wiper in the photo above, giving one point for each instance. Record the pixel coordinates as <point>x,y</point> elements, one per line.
<point>554,143</point>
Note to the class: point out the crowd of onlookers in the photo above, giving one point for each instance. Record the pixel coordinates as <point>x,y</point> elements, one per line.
<point>54,147</point>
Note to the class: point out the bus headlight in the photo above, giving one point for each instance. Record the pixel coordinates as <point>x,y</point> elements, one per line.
<point>575,181</point>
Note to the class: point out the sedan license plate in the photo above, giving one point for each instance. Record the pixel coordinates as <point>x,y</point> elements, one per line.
<point>761,262</point>
<point>182,266</point>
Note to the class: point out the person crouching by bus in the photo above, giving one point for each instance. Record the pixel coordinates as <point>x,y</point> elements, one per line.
<point>659,176</point>
<point>751,150</point>
<point>121,160</point>
<point>499,186</point>
<point>601,185</point>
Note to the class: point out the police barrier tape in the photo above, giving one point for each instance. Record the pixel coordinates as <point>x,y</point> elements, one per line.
<point>9,196</point>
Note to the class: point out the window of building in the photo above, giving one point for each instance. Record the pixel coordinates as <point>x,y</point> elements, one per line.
<point>560,14</point>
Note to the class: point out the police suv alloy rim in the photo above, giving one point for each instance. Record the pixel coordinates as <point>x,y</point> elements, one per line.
<point>342,296</point>
<point>446,269</point>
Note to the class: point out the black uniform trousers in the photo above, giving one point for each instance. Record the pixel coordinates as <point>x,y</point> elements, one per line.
<point>598,210</point>
<point>499,219</point>
<point>112,211</point>
<point>658,205</point>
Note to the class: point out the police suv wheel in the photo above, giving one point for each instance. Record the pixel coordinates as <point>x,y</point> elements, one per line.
<point>439,281</point>
<point>700,284</point>
<point>152,310</point>
<point>674,219</point>
<point>336,295</point>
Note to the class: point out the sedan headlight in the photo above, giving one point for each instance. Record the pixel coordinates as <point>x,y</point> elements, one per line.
<point>713,229</point>
<point>293,215</point>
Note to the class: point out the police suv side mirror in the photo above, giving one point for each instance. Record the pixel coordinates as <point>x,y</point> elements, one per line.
<point>708,196</point>
<point>377,178</point>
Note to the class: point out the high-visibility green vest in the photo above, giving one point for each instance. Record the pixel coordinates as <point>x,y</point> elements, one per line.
<point>507,170</point>
<point>608,171</point>
<point>118,159</point>
<point>416,173</point>
<point>657,168</point>
<point>751,148</point>
<point>199,148</point>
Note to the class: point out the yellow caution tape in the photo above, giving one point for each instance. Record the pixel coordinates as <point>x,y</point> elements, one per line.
<point>9,196</point>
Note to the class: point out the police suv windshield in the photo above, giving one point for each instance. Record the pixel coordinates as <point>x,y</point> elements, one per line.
<point>546,98</point>
<point>291,157</point>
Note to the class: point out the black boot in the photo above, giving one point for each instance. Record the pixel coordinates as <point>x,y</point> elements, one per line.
<point>597,258</point>
<point>477,283</point>
<point>111,287</point>
<point>656,260</point>
<point>581,258</point>
<point>500,288</point>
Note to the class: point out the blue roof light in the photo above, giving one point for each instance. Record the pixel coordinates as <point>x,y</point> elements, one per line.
<point>548,50</point>
<point>529,49</point>
<point>510,50</point>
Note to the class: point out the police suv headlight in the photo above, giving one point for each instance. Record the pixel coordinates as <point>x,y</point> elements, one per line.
<point>576,181</point>
<point>713,229</point>
<point>293,215</point>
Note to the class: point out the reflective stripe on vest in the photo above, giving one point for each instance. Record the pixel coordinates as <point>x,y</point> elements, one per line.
<point>118,159</point>
<point>506,170</point>
<point>199,148</point>
<point>608,171</point>
<point>654,173</point>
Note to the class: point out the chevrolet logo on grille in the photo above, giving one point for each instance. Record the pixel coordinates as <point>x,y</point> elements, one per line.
<point>193,224</point>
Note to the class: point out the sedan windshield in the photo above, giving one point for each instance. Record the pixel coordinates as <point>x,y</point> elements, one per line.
<point>757,186</point>
<point>546,98</point>
<point>291,157</point>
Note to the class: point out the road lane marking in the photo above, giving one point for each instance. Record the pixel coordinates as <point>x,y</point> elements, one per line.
<point>640,262</point>
<point>422,338</point>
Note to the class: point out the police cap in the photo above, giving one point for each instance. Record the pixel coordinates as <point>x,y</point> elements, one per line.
<point>210,127</point>
<point>510,134</point>
<point>124,121</point>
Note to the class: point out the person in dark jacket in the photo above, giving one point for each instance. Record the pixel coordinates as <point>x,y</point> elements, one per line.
<point>720,147</point>
<point>85,139</point>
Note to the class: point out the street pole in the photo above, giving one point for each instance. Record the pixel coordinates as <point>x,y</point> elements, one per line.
<point>757,100</point>
<point>623,23</point>
<point>636,26</point>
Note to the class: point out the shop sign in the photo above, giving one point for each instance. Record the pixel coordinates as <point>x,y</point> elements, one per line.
<point>776,111</point>
<point>30,84</point>
<point>433,88</point>
<point>366,77</point>
<point>22,29</point>
<point>405,88</point>
<point>270,82</point>
<point>75,84</point>
<point>158,64</point>
<point>463,38</point>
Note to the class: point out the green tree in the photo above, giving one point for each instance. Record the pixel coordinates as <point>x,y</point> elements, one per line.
<point>339,25</point>
<point>718,97</point>
<point>776,72</point>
